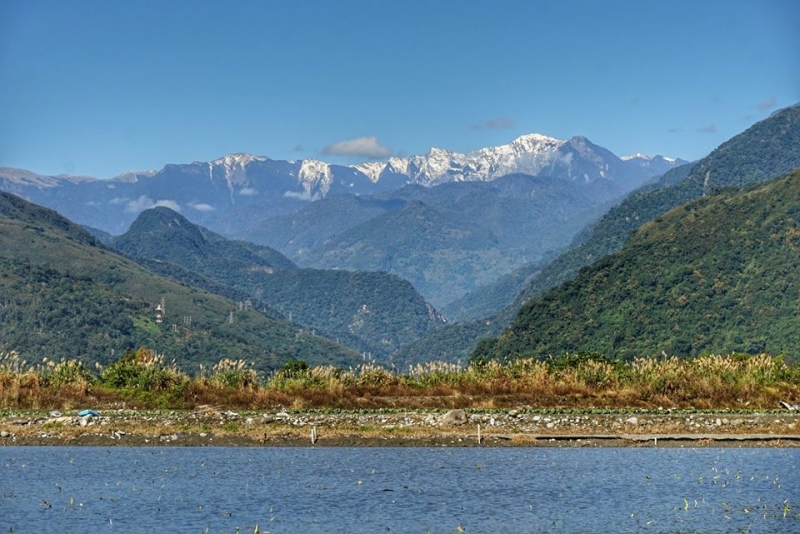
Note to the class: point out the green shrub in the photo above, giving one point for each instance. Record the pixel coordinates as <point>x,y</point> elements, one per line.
<point>143,369</point>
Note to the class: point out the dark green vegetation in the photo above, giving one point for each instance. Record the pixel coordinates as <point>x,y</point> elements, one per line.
<point>767,150</point>
<point>372,312</point>
<point>64,295</point>
<point>715,275</point>
<point>447,240</point>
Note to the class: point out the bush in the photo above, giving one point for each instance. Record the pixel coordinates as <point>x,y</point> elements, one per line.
<point>143,369</point>
<point>295,369</point>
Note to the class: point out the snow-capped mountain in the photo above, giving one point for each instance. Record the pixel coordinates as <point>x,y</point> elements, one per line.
<point>529,154</point>
<point>534,154</point>
<point>655,164</point>
<point>218,193</point>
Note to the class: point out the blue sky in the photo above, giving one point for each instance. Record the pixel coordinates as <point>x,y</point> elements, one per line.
<point>100,87</point>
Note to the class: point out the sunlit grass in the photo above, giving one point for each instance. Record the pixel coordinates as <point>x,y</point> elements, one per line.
<point>144,378</point>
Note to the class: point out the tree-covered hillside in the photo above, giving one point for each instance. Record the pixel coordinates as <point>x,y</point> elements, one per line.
<point>716,275</point>
<point>454,238</point>
<point>372,312</point>
<point>768,149</point>
<point>64,295</point>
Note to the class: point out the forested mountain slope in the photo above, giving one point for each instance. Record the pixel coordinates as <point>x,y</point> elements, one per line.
<point>766,150</point>
<point>716,275</point>
<point>371,312</point>
<point>64,295</point>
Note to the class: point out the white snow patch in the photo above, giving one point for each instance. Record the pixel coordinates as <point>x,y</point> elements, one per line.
<point>237,160</point>
<point>638,155</point>
<point>315,175</point>
<point>526,154</point>
<point>372,169</point>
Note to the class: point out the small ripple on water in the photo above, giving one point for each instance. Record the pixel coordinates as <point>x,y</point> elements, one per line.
<point>404,490</point>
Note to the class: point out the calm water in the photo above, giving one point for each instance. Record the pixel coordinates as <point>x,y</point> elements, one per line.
<point>399,490</point>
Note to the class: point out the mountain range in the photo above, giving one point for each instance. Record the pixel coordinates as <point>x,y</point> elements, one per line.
<point>459,221</point>
<point>766,150</point>
<point>697,259</point>
<point>220,193</point>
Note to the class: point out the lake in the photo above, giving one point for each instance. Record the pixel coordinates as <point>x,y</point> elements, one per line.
<point>399,490</point>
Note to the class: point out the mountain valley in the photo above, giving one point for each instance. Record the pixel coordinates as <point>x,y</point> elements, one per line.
<point>365,255</point>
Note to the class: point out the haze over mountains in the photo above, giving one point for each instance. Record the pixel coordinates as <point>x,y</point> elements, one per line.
<point>483,235</point>
<point>468,224</point>
<point>765,151</point>
<point>371,312</point>
<point>220,194</point>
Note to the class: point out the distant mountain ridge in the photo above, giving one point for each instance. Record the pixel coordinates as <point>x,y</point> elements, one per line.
<point>766,150</point>
<point>214,193</point>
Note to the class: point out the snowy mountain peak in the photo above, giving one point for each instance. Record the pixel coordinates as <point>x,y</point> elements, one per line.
<point>645,157</point>
<point>236,160</point>
<point>536,138</point>
<point>315,175</point>
<point>371,169</point>
<point>638,155</point>
<point>233,168</point>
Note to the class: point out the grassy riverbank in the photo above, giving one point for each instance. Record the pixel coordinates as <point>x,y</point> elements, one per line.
<point>143,380</point>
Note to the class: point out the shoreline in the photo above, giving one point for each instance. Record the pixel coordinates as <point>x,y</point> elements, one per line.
<point>214,427</point>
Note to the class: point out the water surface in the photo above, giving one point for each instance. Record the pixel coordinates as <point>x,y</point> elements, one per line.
<point>325,490</point>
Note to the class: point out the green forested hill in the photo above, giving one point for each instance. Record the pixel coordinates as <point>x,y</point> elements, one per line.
<point>716,275</point>
<point>162,234</point>
<point>63,295</point>
<point>447,240</point>
<point>371,312</point>
<point>768,149</point>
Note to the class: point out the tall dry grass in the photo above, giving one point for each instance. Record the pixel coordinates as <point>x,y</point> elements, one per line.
<point>142,378</point>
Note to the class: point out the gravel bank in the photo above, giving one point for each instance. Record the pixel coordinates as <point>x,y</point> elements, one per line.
<point>215,426</point>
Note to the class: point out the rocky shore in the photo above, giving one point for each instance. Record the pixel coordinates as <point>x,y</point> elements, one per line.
<point>217,426</point>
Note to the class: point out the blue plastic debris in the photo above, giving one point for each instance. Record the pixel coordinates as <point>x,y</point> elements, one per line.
<point>84,413</point>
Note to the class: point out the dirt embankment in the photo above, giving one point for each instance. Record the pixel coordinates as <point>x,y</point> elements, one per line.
<point>216,426</point>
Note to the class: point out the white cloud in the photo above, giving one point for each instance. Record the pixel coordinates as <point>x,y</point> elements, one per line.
<point>171,204</point>
<point>118,200</point>
<point>200,206</point>
<point>365,147</point>
<point>247,192</point>
<point>304,195</point>
<point>145,203</point>
<point>500,123</point>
